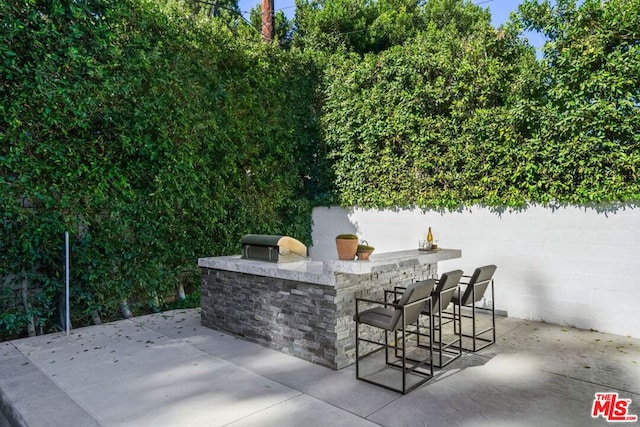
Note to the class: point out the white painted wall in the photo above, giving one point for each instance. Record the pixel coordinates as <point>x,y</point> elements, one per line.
<point>569,266</point>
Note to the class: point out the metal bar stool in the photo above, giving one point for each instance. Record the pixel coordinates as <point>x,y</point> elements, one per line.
<point>395,318</point>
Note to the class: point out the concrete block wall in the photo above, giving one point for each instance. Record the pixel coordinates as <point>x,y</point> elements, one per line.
<point>571,266</point>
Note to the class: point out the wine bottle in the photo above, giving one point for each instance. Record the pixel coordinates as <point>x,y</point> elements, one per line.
<point>429,238</point>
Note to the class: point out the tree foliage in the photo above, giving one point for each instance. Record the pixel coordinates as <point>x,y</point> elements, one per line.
<point>214,8</point>
<point>427,123</point>
<point>462,113</point>
<point>588,135</point>
<point>372,26</point>
<point>356,25</point>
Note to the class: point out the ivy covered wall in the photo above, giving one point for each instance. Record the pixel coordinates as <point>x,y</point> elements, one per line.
<point>153,137</point>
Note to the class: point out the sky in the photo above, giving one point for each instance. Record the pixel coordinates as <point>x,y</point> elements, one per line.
<point>500,10</point>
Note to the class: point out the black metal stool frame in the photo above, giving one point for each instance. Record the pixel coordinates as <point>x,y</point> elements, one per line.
<point>482,277</point>
<point>417,364</point>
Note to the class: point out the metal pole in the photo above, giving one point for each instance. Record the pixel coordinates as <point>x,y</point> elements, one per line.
<point>66,273</point>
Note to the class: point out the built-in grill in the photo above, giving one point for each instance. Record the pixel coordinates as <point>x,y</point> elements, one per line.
<point>272,248</point>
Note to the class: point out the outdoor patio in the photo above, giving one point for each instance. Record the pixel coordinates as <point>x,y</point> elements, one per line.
<point>167,369</point>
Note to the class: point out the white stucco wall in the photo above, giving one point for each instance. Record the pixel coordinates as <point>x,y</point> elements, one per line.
<point>569,266</point>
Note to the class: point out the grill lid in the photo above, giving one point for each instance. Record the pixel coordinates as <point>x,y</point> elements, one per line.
<point>284,246</point>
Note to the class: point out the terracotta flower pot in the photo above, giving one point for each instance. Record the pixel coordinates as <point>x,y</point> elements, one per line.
<point>364,255</point>
<point>364,250</point>
<point>347,249</point>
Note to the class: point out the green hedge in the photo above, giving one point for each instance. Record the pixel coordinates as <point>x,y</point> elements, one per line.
<point>154,138</point>
<point>451,118</point>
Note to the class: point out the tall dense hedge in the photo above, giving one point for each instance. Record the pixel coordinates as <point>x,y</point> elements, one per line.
<point>464,114</point>
<point>429,122</point>
<point>154,138</point>
<point>587,137</point>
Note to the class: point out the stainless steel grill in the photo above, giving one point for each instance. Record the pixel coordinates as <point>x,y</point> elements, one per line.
<point>272,248</point>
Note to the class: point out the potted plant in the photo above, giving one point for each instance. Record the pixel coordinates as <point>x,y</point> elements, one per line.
<point>347,246</point>
<point>364,250</point>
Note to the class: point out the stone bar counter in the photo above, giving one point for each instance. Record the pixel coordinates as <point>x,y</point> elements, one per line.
<point>305,308</point>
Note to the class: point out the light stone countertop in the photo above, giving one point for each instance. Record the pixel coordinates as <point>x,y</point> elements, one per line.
<point>324,272</point>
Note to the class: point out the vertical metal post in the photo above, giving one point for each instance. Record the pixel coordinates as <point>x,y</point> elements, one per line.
<point>66,274</point>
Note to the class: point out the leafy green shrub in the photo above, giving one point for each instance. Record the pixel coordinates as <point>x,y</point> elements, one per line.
<point>452,118</point>
<point>154,138</point>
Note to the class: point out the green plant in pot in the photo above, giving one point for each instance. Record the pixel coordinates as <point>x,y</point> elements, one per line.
<point>364,251</point>
<point>347,246</point>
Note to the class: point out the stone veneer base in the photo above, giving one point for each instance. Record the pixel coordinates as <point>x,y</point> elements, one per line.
<point>306,310</point>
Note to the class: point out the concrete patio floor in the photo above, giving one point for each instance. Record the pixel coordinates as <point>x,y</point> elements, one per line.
<point>168,370</point>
